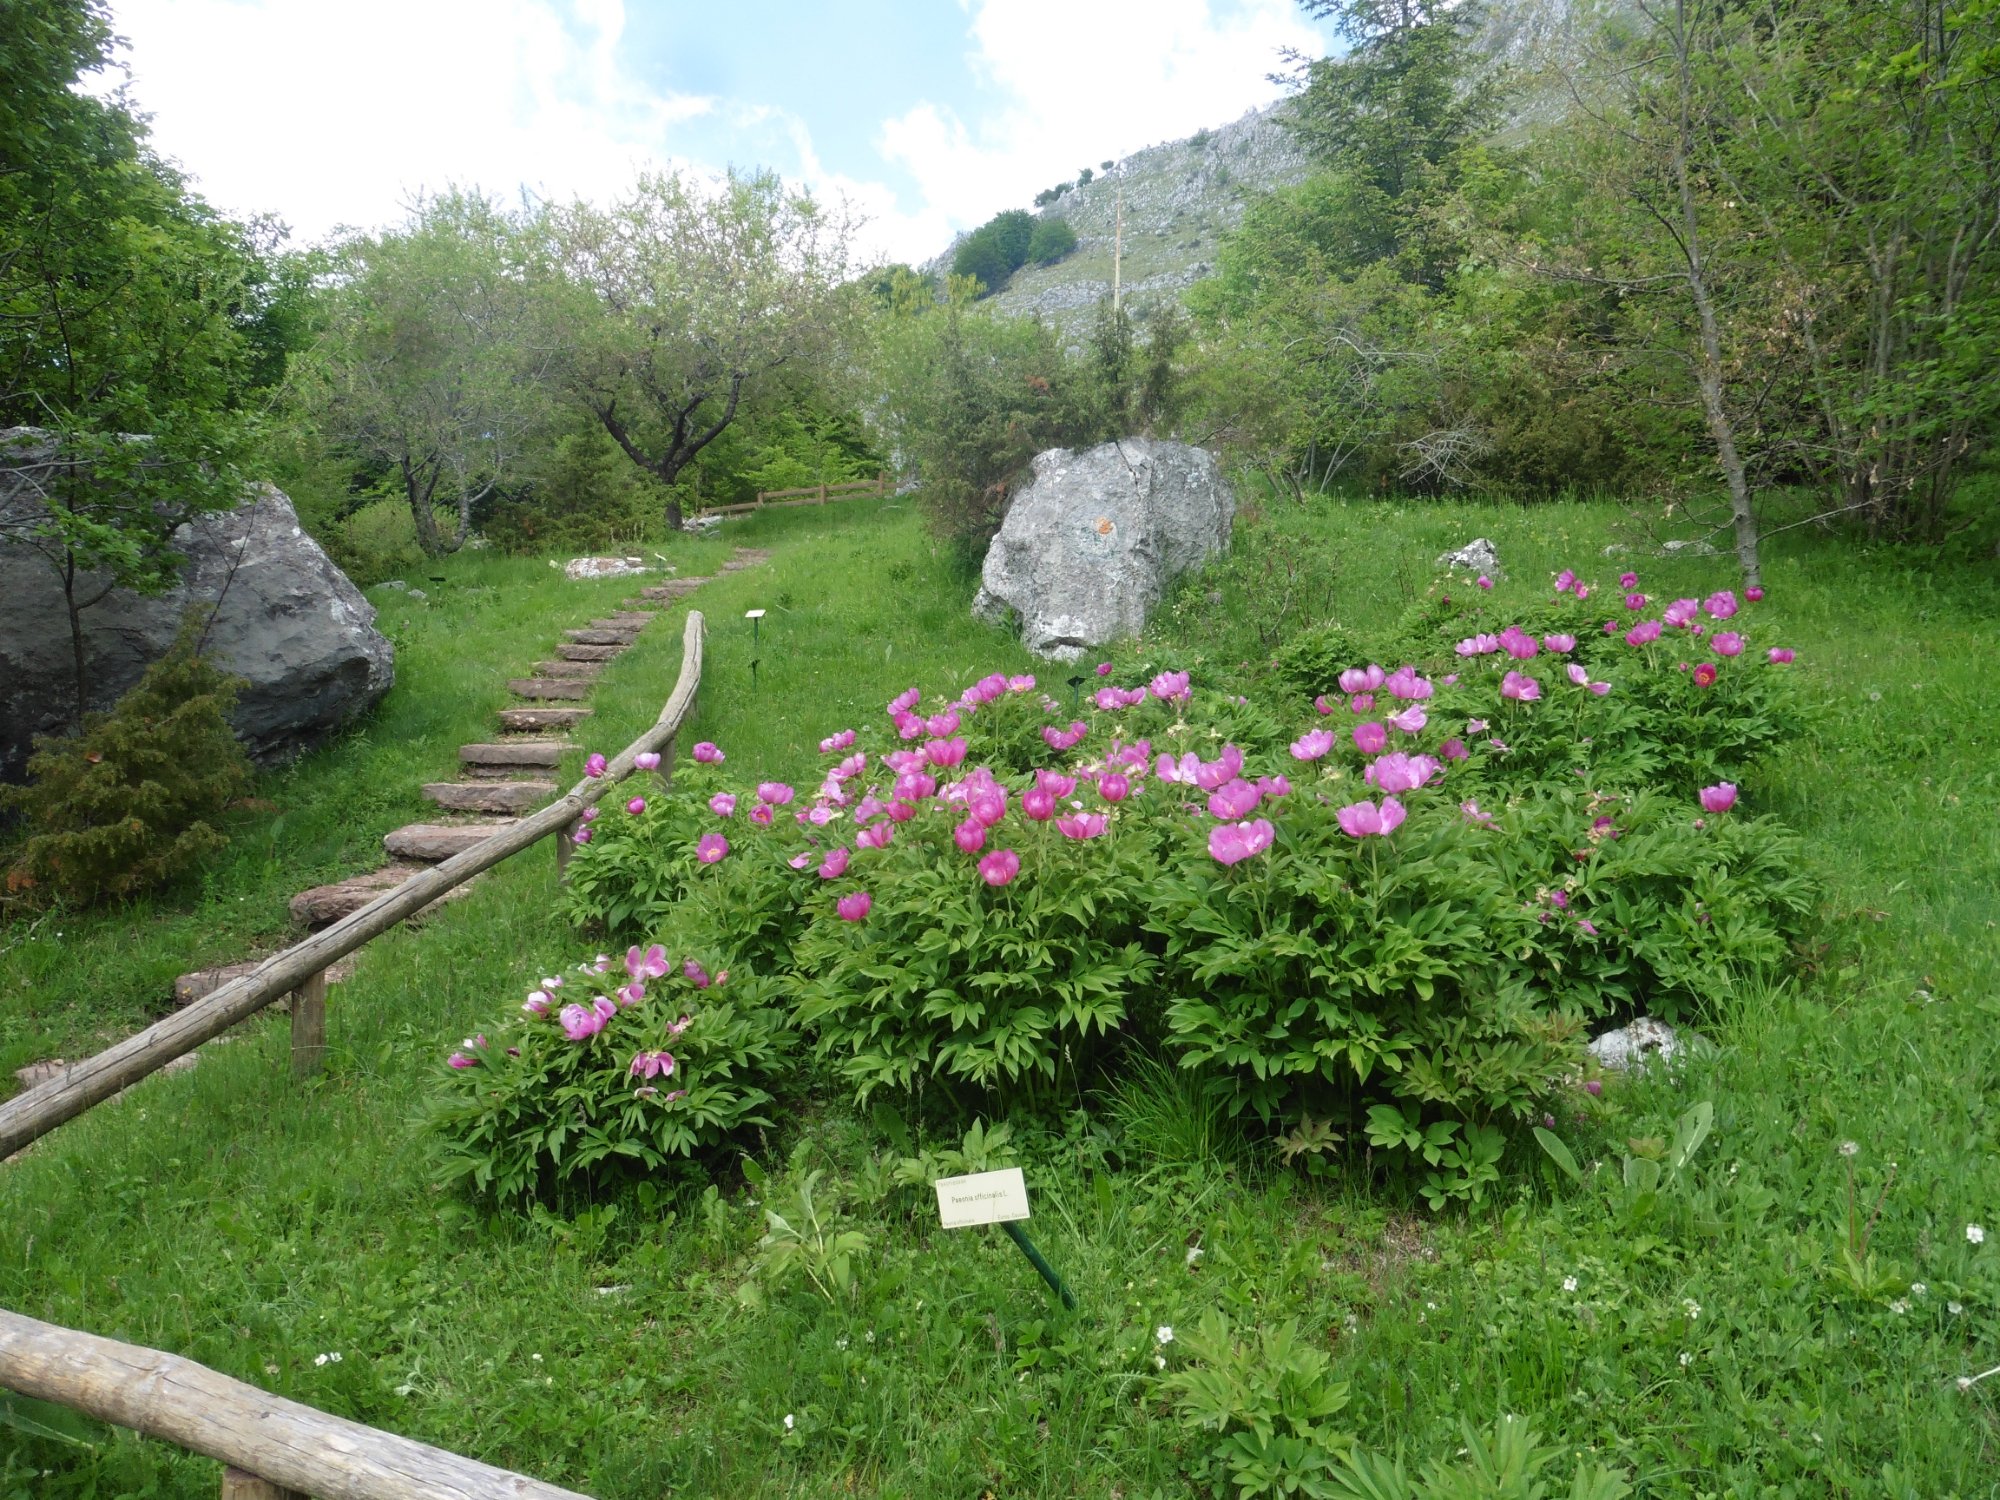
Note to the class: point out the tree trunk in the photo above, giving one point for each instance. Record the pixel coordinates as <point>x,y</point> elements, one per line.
<point>80,676</point>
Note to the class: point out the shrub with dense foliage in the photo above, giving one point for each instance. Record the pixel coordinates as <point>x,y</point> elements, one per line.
<point>130,803</point>
<point>1391,918</point>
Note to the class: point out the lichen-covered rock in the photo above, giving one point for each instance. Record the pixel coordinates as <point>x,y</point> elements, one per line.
<point>1477,556</point>
<point>287,621</point>
<point>1090,545</point>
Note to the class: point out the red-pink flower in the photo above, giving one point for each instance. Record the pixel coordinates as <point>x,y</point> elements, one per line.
<point>1582,591</point>
<point>636,806</point>
<point>915,786</point>
<point>1635,601</point>
<point>1681,613</point>
<point>971,836</point>
<point>1232,843</point>
<point>1322,705</point>
<point>835,864</point>
<point>594,766</point>
<point>1780,655</point>
<point>1083,825</point>
<point>460,1060</point>
<point>1104,669</point>
<point>1038,803</point>
<point>1519,687</point>
<point>853,906</point>
<point>999,867</point>
<point>1312,745</point>
<point>1112,786</point>
<point>1755,593</point>
<point>630,994</point>
<point>1517,643</point>
<point>650,964</point>
<point>1628,580</point>
<point>710,847</point>
<point>1720,798</point>
<point>1565,581</point>
<point>986,805</point>
<point>652,1065</point>
<point>537,1003</point>
<point>695,974</point>
<point>941,726</point>
<point>581,836</point>
<point>1370,738</point>
<point>900,811</point>
<point>707,753</point>
<point>1360,820</point>
<point>1274,786</point>
<point>1484,582</point>
<point>579,1023</point>
<point>1454,749</point>
<point>1705,674</point>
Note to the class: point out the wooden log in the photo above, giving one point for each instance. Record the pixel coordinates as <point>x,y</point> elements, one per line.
<point>238,1484</point>
<point>309,1026</point>
<point>30,1115</point>
<point>285,1443</point>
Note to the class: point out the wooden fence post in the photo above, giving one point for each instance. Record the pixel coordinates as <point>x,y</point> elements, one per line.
<point>565,846</point>
<point>237,1485</point>
<point>309,1026</point>
<point>822,492</point>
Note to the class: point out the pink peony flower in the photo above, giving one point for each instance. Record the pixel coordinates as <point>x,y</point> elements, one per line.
<point>1083,825</point>
<point>537,1003</point>
<point>1370,738</point>
<point>1471,812</point>
<point>1643,634</point>
<point>1274,786</point>
<point>595,765</point>
<point>708,754</point>
<point>646,760</point>
<point>710,847</point>
<point>1705,674</point>
<point>630,994</point>
<point>1038,803</point>
<point>460,1060</point>
<point>942,726</point>
<point>999,867</point>
<point>916,786</point>
<point>1360,820</point>
<point>1312,745</point>
<point>1104,669</point>
<point>835,864</point>
<point>1720,798</point>
<point>1411,720</point>
<point>1225,768</point>
<point>1232,843</point>
<point>945,753</point>
<point>1172,686</point>
<point>1565,581</point>
<point>971,836</point>
<point>1397,772</point>
<point>1484,582</point>
<point>900,811</point>
<point>636,806</point>
<point>904,701</point>
<point>1582,591</point>
<point>1234,800</point>
<point>1361,679</point>
<point>1405,683</point>
<point>1720,605</point>
<point>1561,644</point>
<point>581,836</point>
<point>1517,643</point>
<point>579,1023</point>
<point>1112,786</point>
<point>1681,613</point>
<point>1522,689</point>
<point>1635,601</point>
<point>1361,703</point>
<point>1454,749</point>
<point>987,805</point>
<point>1755,593</point>
<point>853,906</point>
<point>650,964</point>
<point>875,836</point>
<point>776,793</point>
<point>833,744</point>
<point>1780,655</point>
<point>1628,580</point>
<point>1726,643</point>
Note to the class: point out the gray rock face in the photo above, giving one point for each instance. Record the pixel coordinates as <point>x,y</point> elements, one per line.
<point>1477,556</point>
<point>287,620</point>
<point>1090,545</point>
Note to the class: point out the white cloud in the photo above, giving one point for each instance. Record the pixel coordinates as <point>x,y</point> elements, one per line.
<point>333,114</point>
<point>1086,80</point>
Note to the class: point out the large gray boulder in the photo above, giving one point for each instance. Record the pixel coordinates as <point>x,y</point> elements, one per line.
<point>1093,541</point>
<point>286,620</point>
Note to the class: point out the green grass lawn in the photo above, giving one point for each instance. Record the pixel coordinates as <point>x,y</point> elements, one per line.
<point>1712,1346</point>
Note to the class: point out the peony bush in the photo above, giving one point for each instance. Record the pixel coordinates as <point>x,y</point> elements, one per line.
<point>1400,910</point>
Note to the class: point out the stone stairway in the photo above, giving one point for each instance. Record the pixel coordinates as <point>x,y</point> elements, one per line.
<point>499,780</point>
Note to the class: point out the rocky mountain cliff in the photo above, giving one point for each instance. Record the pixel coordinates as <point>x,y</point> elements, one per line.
<point>1179,199</point>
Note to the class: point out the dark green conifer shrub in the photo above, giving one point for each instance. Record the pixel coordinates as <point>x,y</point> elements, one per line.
<point>129,803</point>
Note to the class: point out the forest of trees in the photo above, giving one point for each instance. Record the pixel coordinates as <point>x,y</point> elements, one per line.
<point>1683,250</point>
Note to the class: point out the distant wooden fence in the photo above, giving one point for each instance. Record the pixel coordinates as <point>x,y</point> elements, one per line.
<point>811,494</point>
<point>301,969</point>
<point>276,1448</point>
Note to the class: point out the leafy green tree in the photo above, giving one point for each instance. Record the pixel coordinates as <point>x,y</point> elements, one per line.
<point>666,311</point>
<point>1052,240</point>
<point>135,325</point>
<point>425,375</point>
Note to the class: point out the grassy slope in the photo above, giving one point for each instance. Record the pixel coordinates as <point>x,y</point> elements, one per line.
<point>229,1216</point>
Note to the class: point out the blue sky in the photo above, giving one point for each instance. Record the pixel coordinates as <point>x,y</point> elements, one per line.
<point>926,115</point>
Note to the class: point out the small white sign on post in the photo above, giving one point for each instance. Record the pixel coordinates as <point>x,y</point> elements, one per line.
<point>982,1198</point>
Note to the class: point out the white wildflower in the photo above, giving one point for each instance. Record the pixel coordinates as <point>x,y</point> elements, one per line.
<point>1918,1289</point>
<point>1159,1361</point>
<point>1692,1307</point>
<point>1850,1148</point>
<point>790,1421</point>
<point>1975,1234</point>
<point>1899,1307</point>
<point>1163,1334</point>
<point>1954,1308</point>
<point>1195,1253</point>
<point>1569,1283</point>
<point>1686,1359</point>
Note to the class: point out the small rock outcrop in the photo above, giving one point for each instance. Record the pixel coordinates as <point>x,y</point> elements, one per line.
<point>287,620</point>
<point>1090,545</point>
<point>1643,1041</point>
<point>1477,556</point>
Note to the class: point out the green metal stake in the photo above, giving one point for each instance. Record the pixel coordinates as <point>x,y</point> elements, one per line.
<point>1020,1237</point>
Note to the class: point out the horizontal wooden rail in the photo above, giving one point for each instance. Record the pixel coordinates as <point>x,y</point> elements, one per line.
<point>33,1114</point>
<point>812,494</point>
<point>285,1442</point>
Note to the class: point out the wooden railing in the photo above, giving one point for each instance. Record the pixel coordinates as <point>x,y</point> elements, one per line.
<point>811,494</point>
<point>276,1448</point>
<point>273,1447</point>
<point>301,970</point>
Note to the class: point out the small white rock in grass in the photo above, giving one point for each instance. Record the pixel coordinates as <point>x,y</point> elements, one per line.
<point>1477,556</point>
<point>1644,1041</point>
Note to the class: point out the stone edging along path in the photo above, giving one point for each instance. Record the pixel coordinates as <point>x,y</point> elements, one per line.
<point>499,782</point>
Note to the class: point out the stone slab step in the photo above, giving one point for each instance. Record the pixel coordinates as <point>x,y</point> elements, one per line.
<point>673,589</point>
<point>597,637</point>
<point>432,843</point>
<point>573,652</point>
<point>530,719</point>
<point>514,754</point>
<point>547,687</point>
<point>575,671</point>
<point>634,623</point>
<point>326,904</point>
<point>490,796</point>
<point>205,982</point>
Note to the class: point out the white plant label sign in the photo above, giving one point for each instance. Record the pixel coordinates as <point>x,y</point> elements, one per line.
<point>982,1198</point>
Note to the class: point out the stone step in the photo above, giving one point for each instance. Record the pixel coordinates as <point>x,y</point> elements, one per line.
<point>434,842</point>
<point>205,982</point>
<point>572,652</point>
<point>575,671</point>
<point>514,755</point>
<point>490,796</point>
<point>672,589</point>
<point>324,905</point>
<point>547,687</point>
<point>530,719</point>
<point>596,637</point>
<point>634,623</point>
